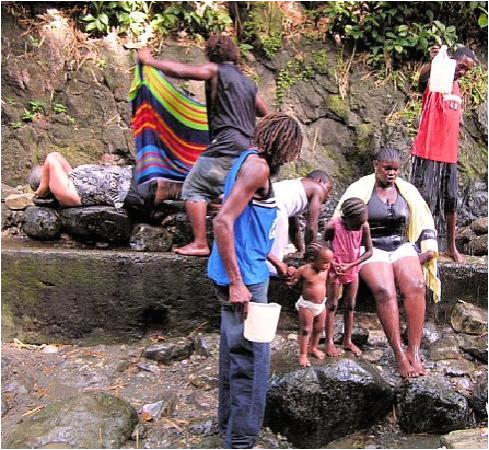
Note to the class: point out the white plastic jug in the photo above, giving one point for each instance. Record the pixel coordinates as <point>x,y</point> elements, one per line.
<point>261,322</point>
<point>442,72</point>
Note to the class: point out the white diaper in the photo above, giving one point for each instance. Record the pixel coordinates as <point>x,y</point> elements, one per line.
<point>315,308</point>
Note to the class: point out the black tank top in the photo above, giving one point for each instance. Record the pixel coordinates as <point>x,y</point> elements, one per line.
<point>388,223</point>
<point>232,113</point>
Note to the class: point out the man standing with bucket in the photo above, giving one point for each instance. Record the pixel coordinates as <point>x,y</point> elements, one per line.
<point>244,232</point>
<point>434,170</point>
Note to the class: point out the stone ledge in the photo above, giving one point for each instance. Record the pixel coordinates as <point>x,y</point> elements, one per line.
<point>97,296</point>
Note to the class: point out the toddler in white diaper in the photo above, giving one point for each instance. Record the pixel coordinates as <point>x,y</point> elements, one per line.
<point>311,304</point>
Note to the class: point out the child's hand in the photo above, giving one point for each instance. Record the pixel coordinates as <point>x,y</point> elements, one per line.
<point>291,270</point>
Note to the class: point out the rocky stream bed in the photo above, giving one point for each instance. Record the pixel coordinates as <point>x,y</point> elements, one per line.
<point>161,392</point>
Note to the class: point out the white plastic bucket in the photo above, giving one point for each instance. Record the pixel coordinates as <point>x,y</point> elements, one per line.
<point>261,322</point>
<point>442,72</point>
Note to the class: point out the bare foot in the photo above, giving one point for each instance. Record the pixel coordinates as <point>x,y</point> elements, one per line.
<point>332,351</point>
<point>351,346</point>
<point>193,249</point>
<point>416,363</point>
<point>455,255</point>
<point>317,353</point>
<point>304,361</point>
<point>405,368</point>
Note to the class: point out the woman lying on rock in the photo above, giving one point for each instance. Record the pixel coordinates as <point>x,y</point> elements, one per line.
<point>400,221</point>
<point>96,184</point>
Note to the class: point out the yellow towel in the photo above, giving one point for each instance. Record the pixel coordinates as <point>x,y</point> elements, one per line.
<point>420,219</point>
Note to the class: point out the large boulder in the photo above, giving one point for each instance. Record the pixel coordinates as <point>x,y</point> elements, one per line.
<point>478,246</point>
<point>469,318</point>
<point>431,405</point>
<point>88,420</point>
<point>171,350</point>
<point>315,405</point>
<point>480,225</point>
<point>18,202</point>
<point>94,223</point>
<point>475,346</point>
<point>41,223</point>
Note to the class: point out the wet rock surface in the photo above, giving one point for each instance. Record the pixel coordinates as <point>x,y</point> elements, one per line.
<point>148,238</point>
<point>479,399</point>
<point>173,350</point>
<point>473,438</point>
<point>468,318</point>
<point>88,420</point>
<point>177,402</point>
<point>97,223</point>
<point>308,405</point>
<point>41,223</point>
<point>429,404</point>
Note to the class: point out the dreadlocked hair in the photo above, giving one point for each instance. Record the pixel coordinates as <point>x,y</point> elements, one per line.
<point>387,154</point>
<point>220,48</point>
<point>313,250</point>
<point>353,207</point>
<point>280,138</point>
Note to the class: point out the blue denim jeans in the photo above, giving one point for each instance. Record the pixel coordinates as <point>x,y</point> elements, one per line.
<point>244,368</point>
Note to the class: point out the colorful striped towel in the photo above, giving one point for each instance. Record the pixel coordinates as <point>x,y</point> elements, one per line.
<point>169,127</point>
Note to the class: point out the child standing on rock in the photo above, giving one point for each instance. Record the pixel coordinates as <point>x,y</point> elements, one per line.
<point>311,303</point>
<point>346,234</point>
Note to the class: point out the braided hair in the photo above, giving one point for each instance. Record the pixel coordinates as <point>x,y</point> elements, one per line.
<point>313,250</point>
<point>220,48</point>
<point>280,138</point>
<point>387,154</point>
<point>353,207</point>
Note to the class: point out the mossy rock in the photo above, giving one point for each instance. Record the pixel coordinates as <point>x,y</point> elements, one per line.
<point>338,106</point>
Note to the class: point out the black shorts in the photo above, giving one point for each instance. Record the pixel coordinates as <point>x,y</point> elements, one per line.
<point>437,183</point>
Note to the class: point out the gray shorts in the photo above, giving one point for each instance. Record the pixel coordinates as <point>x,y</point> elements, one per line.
<point>205,181</point>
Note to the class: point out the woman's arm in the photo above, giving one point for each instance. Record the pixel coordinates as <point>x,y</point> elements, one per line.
<point>176,69</point>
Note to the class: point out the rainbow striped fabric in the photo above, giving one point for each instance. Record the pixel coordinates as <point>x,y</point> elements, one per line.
<point>169,127</point>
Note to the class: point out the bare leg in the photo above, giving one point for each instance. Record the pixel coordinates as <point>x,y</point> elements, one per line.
<point>349,297</point>
<point>58,181</point>
<point>167,190</point>
<point>331,305</point>
<point>380,279</point>
<point>305,321</point>
<point>196,211</point>
<point>409,277</point>
<point>317,331</point>
<point>52,159</point>
<point>451,219</point>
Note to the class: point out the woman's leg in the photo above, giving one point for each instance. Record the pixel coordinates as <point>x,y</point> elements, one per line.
<point>305,322</point>
<point>379,277</point>
<point>55,170</point>
<point>349,297</point>
<point>409,279</point>
<point>317,331</point>
<point>331,305</point>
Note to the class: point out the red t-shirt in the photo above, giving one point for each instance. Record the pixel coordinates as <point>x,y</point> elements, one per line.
<point>438,131</point>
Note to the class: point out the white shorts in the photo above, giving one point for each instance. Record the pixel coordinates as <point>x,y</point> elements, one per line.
<point>315,308</point>
<point>381,256</point>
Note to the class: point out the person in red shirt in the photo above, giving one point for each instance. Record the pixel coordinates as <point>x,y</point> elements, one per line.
<point>434,152</point>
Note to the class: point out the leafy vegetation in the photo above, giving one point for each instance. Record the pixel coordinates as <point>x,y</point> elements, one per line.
<point>293,72</point>
<point>59,108</point>
<point>135,18</point>
<point>393,32</point>
<point>474,87</point>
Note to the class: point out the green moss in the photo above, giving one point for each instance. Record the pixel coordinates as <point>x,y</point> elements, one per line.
<point>338,106</point>
<point>365,133</point>
<point>304,167</point>
<point>473,164</point>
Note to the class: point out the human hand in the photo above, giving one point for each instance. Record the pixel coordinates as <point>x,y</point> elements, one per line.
<point>282,269</point>
<point>240,296</point>
<point>341,269</point>
<point>434,51</point>
<point>291,270</point>
<point>145,56</point>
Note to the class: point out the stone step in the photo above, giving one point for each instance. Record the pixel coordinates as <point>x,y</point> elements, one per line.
<point>92,296</point>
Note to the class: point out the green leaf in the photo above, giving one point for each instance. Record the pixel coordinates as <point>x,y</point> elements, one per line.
<point>88,18</point>
<point>91,26</point>
<point>450,29</point>
<point>402,28</point>
<point>104,18</point>
<point>483,20</point>
<point>398,48</point>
